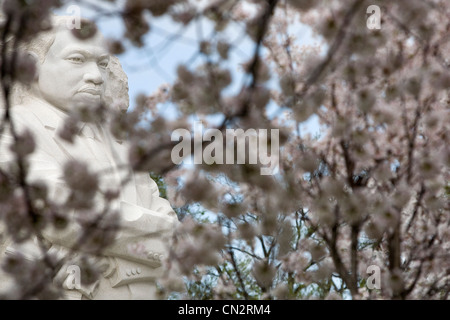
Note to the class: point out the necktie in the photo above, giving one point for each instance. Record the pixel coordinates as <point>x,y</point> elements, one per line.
<point>109,157</point>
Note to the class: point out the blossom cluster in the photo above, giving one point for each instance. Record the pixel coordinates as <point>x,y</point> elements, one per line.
<point>370,188</point>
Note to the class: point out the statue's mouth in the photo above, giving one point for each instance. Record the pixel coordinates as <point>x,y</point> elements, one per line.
<point>91,90</point>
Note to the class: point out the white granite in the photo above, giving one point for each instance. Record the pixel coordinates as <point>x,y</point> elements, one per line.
<point>76,71</point>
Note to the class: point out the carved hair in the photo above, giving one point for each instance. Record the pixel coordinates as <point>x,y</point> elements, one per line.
<point>116,84</point>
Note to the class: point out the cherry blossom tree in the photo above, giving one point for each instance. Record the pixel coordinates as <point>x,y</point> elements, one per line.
<point>358,211</point>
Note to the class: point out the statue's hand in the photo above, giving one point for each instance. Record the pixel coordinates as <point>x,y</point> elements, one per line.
<point>144,235</point>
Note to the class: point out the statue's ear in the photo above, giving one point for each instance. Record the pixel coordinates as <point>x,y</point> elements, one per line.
<point>24,89</point>
<point>34,57</point>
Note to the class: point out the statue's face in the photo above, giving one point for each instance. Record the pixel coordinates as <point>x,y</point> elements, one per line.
<point>74,71</point>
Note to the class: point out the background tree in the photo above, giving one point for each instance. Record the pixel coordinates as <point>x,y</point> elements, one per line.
<point>371,189</point>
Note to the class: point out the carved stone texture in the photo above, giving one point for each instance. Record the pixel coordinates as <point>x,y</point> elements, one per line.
<point>73,72</point>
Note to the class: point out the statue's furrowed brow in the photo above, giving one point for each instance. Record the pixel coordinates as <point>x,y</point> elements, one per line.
<point>86,53</point>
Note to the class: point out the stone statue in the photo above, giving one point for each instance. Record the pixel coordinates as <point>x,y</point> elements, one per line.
<point>72,71</point>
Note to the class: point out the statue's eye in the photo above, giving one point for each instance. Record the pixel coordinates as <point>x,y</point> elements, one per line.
<point>76,59</point>
<point>103,64</point>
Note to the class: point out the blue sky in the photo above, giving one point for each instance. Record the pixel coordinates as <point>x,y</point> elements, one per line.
<point>170,44</point>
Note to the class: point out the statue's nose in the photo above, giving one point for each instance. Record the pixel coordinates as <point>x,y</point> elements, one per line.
<point>93,74</point>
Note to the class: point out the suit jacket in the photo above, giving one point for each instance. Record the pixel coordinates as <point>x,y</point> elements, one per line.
<point>147,220</point>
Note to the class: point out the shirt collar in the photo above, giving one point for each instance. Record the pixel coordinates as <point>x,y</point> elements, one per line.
<point>53,118</point>
<point>49,116</point>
